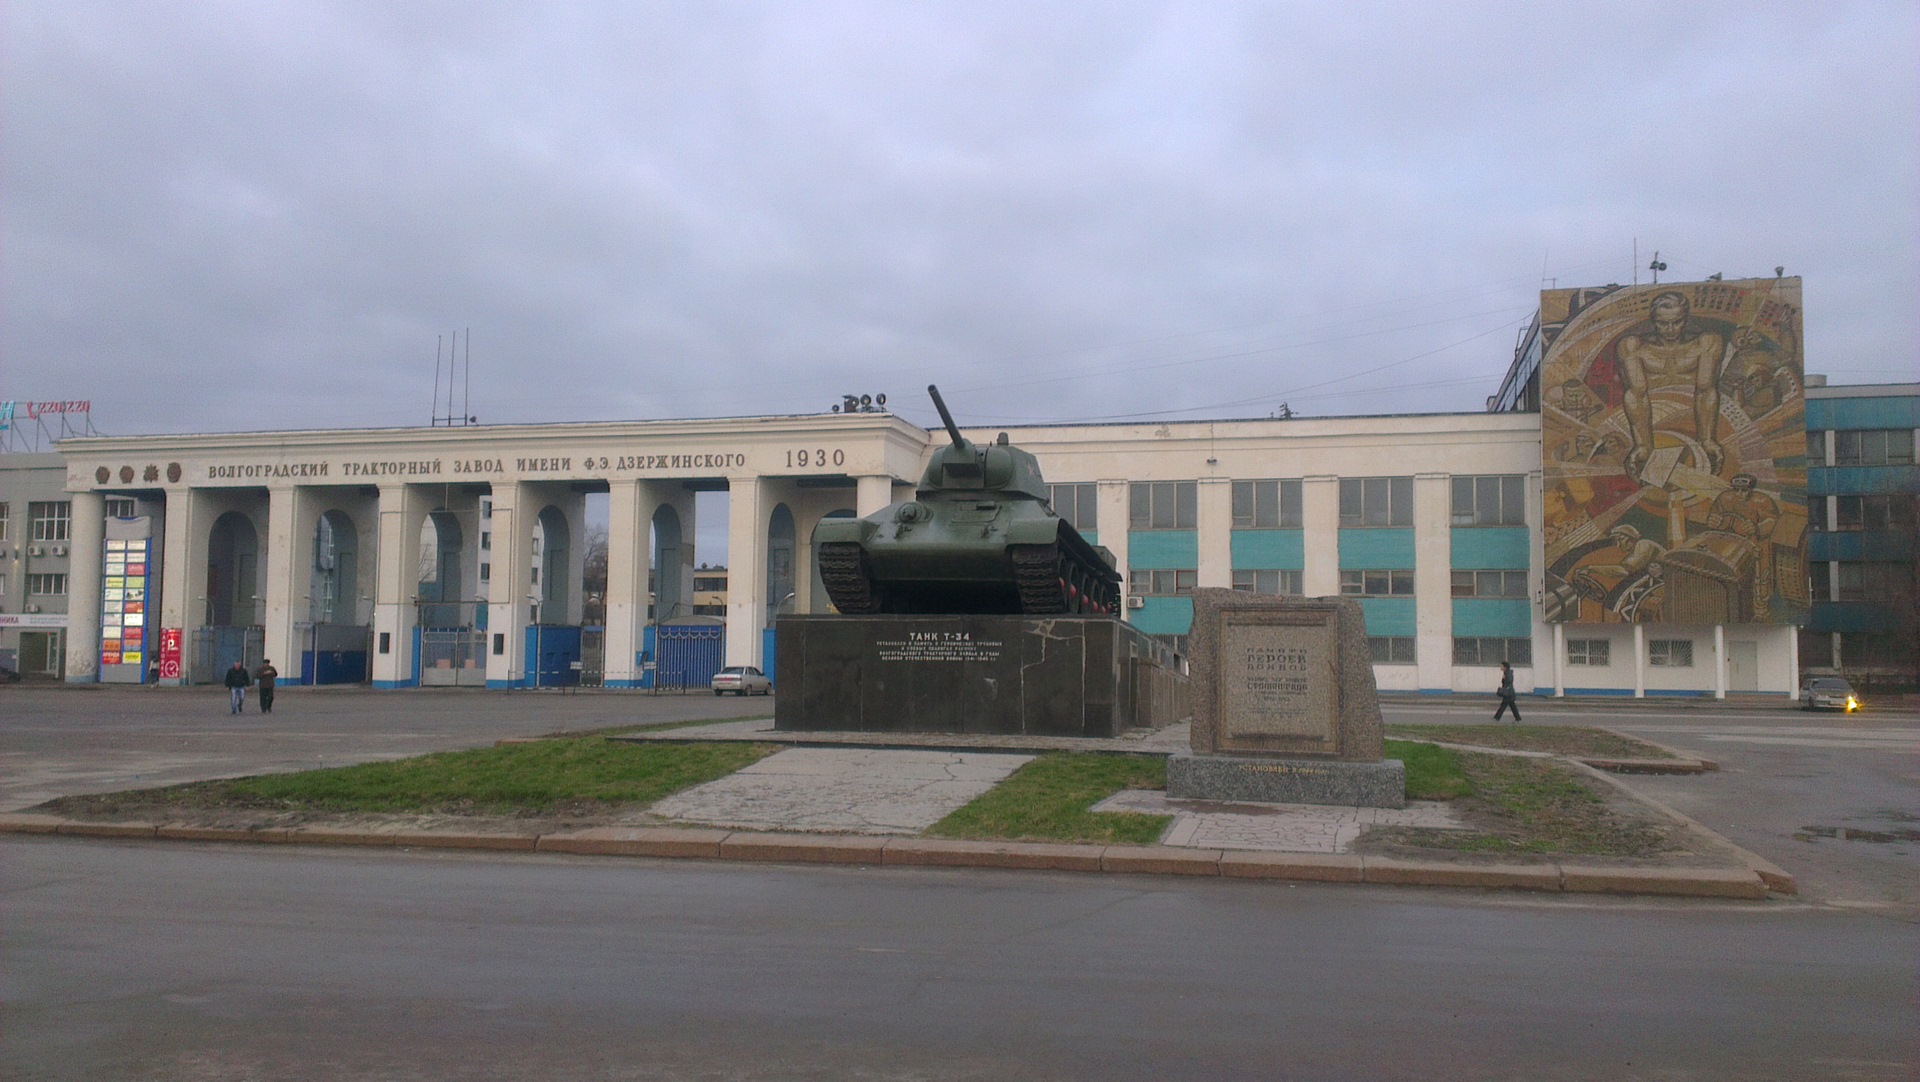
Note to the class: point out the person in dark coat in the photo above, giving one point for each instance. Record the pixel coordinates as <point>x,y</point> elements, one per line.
<point>266,674</point>
<point>1508,700</point>
<point>237,681</point>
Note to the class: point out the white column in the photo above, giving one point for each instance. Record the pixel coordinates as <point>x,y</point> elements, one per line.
<point>1320,537</point>
<point>1559,661</point>
<point>509,591</point>
<point>1214,531</point>
<point>1719,661</point>
<point>397,584</point>
<point>1110,523</point>
<point>748,506</point>
<point>183,569</point>
<point>1433,578</point>
<point>1639,661</point>
<point>86,528</point>
<point>289,576</point>
<point>874,493</point>
<point>630,507</point>
<point>1793,663</point>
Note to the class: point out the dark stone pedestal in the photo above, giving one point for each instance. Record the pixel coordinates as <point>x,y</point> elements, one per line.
<point>1002,675</point>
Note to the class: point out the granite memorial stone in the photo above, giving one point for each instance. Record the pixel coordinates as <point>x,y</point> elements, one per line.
<point>1284,705</point>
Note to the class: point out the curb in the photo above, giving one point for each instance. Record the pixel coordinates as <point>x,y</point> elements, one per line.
<point>1752,883</point>
<point>1775,878</point>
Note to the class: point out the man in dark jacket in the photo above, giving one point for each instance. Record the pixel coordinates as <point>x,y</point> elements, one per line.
<point>266,674</point>
<point>237,681</point>
<point>1508,700</point>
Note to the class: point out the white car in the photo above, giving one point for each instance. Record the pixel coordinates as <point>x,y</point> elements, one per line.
<point>1828,693</point>
<point>741,680</point>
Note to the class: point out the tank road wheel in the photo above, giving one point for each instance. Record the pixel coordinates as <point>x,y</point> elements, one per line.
<point>843,570</point>
<point>1039,577</point>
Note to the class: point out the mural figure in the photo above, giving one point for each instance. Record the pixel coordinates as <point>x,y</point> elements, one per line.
<point>1674,447</point>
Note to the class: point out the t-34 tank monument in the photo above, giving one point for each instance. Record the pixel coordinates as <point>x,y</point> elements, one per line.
<point>971,608</point>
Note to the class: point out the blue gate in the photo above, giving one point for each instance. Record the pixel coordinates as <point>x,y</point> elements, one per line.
<point>552,650</point>
<point>682,655</point>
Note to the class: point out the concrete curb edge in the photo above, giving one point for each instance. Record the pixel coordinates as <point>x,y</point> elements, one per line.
<point>710,844</point>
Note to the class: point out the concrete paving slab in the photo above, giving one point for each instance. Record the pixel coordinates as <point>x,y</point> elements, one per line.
<point>1277,828</point>
<point>843,790</point>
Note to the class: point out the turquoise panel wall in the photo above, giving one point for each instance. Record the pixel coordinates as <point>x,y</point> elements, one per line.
<point>1491,548</point>
<point>1388,615</point>
<point>1850,413</point>
<point>1860,545</point>
<point>1377,548</point>
<point>1861,480</point>
<point>1163,615</point>
<point>1163,548</point>
<point>1092,536</point>
<point>1269,549</point>
<point>1492,617</point>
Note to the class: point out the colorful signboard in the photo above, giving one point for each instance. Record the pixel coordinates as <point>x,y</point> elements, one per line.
<point>123,608</point>
<point>1673,445</point>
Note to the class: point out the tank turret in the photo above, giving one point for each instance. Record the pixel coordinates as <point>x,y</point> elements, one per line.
<point>978,537</point>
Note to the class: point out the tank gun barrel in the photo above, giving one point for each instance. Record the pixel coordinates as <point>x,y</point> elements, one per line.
<point>946,418</point>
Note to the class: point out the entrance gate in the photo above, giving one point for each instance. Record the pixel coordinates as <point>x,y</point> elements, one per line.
<point>684,655</point>
<point>453,657</point>
<point>215,649</point>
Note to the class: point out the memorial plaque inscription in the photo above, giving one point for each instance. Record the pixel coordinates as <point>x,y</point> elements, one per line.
<point>1277,687</point>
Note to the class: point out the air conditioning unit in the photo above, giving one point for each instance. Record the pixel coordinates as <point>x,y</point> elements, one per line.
<point>33,608</point>
<point>1136,602</point>
<point>33,550</point>
<point>59,550</point>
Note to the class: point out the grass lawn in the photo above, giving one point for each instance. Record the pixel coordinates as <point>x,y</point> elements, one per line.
<point>1525,805</point>
<point>543,777</point>
<point>1047,800</point>
<point>1560,740</point>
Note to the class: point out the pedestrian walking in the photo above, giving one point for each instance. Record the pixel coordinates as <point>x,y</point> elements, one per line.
<point>265,675</point>
<point>237,681</point>
<point>1507,694</point>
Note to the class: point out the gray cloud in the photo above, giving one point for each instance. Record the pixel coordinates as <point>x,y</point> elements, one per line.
<point>224,216</point>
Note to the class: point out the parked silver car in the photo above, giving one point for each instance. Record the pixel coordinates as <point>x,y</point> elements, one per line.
<point>741,680</point>
<point>1828,693</point>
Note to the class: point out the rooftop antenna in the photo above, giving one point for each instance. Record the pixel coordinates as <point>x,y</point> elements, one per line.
<point>459,381</point>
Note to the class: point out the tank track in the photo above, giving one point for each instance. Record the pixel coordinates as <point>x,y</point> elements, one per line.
<point>843,570</point>
<point>1039,575</point>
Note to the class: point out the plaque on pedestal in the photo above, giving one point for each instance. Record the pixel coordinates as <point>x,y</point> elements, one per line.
<point>1284,705</point>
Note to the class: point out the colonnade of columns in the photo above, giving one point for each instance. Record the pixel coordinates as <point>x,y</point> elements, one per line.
<point>385,594</point>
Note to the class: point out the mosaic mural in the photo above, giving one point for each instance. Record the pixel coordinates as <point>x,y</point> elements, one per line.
<point>1674,444</point>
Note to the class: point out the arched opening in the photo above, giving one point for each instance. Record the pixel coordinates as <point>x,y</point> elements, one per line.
<point>334,650</point>
<point>552,575</point>
<point>665,581</point>
<point>233,601</point>
<point>817,596</point>
<point>780,556</point>
<point>233,572</point>
<point>442,604</point>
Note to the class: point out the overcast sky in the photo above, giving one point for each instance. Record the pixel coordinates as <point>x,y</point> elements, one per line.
<point>265,215</point>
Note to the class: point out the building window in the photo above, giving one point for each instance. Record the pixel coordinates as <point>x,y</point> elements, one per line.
<point>1817,448</point>
<point>709,583</point>
<point>1593,652</point>
<point>1489,584</point>
<point>1869,512</point>
<point>1489,501</point>
<point>1266,505</point>
<point>50,520</point>
<point>486,509</point>
<point>1078,503</point>
<point>535,580</point>
<point>52,584</point>
<point>1873,447</point>
<point>1391,649</point>
<point>120,507</point>
<point>1163,505</point>
<point>1275,582</point>
<point>3,585</point>
<point>1875,581</point>
<point>1670,653</point>
<point>1161,582</point>
<point>1492,651</point>
<point>486,539</point>
<point>1376,501</point>
<point>5,518</point>
<point>486,572</point>
<point>1820,579</point>
<point>1817,513</point>
<point>1374,583</point>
